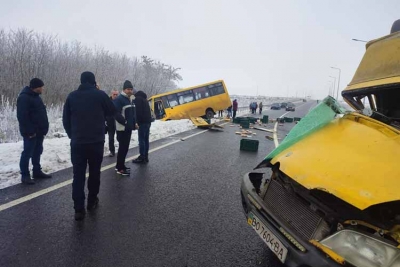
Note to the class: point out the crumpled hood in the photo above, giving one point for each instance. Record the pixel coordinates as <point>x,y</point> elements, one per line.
<point>141,94</point>
<point>352,157</point>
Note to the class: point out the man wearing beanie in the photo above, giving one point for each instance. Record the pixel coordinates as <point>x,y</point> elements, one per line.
<point>125,112</point>
<point>84,114</point>
<point>33,126</point>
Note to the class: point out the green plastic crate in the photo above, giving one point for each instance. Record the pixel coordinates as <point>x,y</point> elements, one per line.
<point>287,119</point>
<point>245,124</point>
<point>297,119</point>
<point>252,120</point>
<point>249,145</point>
<point>265,119</point>
<point>238,119</point>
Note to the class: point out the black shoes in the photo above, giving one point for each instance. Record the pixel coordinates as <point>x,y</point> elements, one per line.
<point>124,172</point>
<point>80,214</point>
<point>41,175</point>
<point>92,204</point>
<point>141,159</point>
<point>27,180</point>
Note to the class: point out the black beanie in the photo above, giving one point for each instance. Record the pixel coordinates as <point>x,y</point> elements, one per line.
<point>36,83</point>
<point>88,77</point>
<point>127,84</point>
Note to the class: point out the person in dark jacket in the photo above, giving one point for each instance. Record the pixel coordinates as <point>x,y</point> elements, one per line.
<point>33,126</point>
<point>235,108</point>
<point>125,112</point>
<point>143,118</point>
<point>110,126</point>
<point>84,116</point>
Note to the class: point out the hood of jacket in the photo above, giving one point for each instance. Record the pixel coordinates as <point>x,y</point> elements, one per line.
<point>141,94</point>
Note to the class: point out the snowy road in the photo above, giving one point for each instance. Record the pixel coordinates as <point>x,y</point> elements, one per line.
<point>182,209</point>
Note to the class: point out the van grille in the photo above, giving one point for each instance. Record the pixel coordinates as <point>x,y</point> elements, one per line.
<point>290,209</point>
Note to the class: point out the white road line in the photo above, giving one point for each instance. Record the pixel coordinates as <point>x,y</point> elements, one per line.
<point>68,182</point>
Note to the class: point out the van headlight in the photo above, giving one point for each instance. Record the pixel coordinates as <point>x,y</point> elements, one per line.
<point>362,250</point>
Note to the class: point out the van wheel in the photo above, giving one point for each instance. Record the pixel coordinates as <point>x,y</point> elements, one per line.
<point>209,113</point>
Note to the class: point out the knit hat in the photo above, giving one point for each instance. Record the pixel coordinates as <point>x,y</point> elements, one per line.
<point>127,84</point>
<point>88,77</point>
<point>36,83</point>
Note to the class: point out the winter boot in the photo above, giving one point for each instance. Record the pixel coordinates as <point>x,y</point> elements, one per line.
<point>92,204</point>
<point>80,215</point>
<point>139,159</point>
<point>27,180</point>
<point>41,175</point>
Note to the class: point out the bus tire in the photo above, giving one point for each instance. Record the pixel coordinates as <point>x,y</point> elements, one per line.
<point>209,113</point>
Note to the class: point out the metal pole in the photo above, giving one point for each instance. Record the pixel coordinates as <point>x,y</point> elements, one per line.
<point>337,92</point>
<point>334,86</point>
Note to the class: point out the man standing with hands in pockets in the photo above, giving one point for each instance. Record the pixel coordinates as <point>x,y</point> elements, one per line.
<point>125,112</point>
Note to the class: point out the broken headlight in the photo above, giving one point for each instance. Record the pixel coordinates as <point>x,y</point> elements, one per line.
<point>362,250</point>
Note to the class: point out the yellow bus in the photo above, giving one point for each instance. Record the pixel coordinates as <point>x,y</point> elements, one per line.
<point>197,101</point>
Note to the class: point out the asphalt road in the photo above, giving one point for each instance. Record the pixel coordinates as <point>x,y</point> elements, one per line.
<point>182,209</point>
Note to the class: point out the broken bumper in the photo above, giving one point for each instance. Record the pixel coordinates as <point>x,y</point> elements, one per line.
<point>310,256</point>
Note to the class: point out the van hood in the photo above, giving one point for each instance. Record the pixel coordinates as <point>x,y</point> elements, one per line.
<point>348,155</point>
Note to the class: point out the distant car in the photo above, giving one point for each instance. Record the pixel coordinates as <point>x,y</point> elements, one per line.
<point>276,106</point>
<point>304,100</point>
<point>284,105</point>
<point>290,107</point>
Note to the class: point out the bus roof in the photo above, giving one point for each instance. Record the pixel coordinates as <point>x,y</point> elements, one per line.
<point>184,89</point>
<point>380,64</point>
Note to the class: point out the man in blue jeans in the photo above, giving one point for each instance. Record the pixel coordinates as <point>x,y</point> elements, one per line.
<point>143,118</point>
<point>33,126</point>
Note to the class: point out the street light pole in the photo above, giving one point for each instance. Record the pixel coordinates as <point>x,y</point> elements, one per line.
<point>337,92</point>
<point>334,85</point>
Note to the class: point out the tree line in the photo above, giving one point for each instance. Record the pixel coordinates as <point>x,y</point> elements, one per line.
<point>25,54</point>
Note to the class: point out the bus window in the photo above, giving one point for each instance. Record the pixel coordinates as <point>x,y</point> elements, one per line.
<point>201,93</point>
<point>216,89</point>
<point>185,97</point>
<point>165,101</point>
<point>173,100</point>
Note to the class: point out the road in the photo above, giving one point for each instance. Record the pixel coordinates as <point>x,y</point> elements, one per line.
<point>182,209</point>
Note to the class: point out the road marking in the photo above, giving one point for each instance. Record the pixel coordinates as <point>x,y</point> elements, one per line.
<point>68,182</point>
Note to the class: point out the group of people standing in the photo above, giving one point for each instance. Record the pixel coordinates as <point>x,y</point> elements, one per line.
<point>253,107</point>
<point>88,112</point>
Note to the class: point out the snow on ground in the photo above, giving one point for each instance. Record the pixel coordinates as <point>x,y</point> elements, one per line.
<point>56,154</point>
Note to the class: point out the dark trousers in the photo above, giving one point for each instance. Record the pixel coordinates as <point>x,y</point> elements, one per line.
<point>33,148</point>
<point>124,138</point>
<point>144,134</point>
<point>220,113</point>
<point>81,156</point>
<point>111,136</point>
<point>260,110</point>
<point>234,114</point>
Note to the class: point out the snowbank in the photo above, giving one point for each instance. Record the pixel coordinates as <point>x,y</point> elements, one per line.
<point>56,154</point>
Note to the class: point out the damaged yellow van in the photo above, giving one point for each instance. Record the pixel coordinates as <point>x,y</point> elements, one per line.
<point>329,194</point>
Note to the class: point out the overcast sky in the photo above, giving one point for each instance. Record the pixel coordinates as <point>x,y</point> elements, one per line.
<point>280,47</point>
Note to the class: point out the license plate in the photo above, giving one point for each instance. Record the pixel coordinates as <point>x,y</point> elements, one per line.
<point>274,244</point>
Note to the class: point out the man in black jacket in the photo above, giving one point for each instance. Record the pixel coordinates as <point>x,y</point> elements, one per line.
<point>143,117</point>
<point>85,112</point>
<point>125,112</point>
<point>110,121</point>
<point>33,126</point>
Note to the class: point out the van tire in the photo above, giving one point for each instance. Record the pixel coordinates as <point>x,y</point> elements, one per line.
<point>209,113</point>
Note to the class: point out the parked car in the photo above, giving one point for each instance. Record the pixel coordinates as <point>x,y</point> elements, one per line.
<point>276,106</point>
<point>283,105</point>
<point>328,195</point>
<point>304,100</point>
<point>290,107</point>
